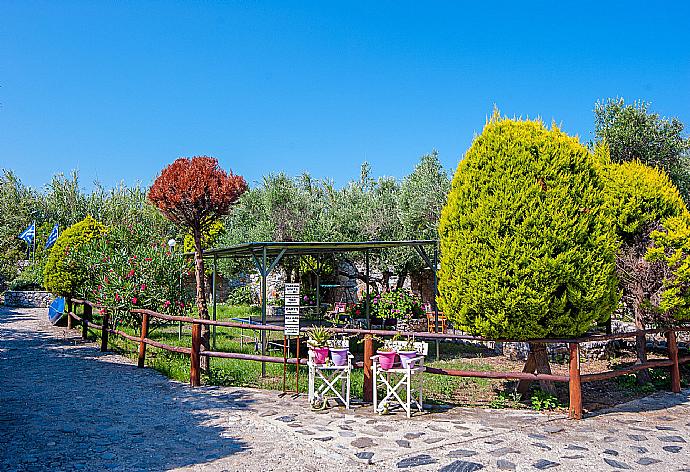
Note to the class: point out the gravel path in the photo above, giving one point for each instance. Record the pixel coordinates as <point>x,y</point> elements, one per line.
<point>66,406</point>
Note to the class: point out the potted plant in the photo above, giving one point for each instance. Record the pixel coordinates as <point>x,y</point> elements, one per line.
<point>386,356</point>
<point>339,355</point>
<point>407,353</point>
<point>318,342</point>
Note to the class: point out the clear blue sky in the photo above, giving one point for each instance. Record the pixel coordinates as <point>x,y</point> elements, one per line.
<point>117,90</point>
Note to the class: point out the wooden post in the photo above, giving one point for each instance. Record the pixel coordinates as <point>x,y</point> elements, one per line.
<point>575,386</point>
<point>85,324</point>
<point>142,344</point>
<point>368,353</point>
<point>673,355</point>
<point>297,367</point>
<point>104,331</point>
<point>284,361</point>
<point>69,313</point>
<point>195,358</point>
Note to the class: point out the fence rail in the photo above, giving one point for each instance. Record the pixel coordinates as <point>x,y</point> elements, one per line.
<point>574,378</point>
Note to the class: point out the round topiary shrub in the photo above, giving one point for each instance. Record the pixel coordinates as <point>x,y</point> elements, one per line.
<point>63,274</point>
<point>528,250</point>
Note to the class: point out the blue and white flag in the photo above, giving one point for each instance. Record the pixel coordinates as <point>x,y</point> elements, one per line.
<point>52,237</point>
<point>29,233</point>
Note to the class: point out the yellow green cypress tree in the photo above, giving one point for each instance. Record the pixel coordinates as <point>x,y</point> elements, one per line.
<point>528,250</point>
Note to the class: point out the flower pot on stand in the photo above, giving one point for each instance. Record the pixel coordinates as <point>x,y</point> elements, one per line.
<point>406,358</point>
<point>320,355</point>
<point>386,359</point>
<point>339,356</point>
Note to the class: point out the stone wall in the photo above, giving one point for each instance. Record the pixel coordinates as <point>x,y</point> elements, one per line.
<point>28,299</point>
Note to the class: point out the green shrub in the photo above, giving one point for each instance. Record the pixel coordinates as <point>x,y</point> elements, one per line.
<point>542,401</point>
<point>638,195</point>
<point>241,295</point>
<point>672,248</point>
<point>31,278</point>
<point>64,273</point>
<point>527,249</point>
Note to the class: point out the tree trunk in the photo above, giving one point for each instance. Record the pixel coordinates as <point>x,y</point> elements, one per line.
<point>401,279</point>
<point>640,340</point>
<point>537,362</point>
<point>201,305</point>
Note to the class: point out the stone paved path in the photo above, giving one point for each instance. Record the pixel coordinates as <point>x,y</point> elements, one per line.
<point>66,406</point>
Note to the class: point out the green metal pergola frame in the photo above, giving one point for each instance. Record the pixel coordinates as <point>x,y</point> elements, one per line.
<point>267,255</point>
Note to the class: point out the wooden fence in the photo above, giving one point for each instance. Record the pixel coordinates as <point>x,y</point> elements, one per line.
<point>574,378</point>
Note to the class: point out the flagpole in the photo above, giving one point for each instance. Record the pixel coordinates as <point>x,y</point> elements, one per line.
<point>35,234</point>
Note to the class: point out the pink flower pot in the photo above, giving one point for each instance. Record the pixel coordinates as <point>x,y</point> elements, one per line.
<point>406,358</point>
<point>339,356</point>
<point>386,359</point>
<point>320,355</point>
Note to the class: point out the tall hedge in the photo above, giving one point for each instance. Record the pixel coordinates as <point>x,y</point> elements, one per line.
<point>527,248</point>
<point>63,273</point>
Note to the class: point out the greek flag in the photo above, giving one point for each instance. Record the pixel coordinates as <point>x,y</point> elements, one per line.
<point>52,237</point>
<point>29,233</point>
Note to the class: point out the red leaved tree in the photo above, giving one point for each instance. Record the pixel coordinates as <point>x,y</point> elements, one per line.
<point>193,193</point>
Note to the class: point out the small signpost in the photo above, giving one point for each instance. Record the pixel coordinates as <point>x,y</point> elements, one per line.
<point>291,326</point>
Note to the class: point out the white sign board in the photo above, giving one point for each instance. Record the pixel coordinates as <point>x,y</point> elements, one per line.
<point>291,325</point>
<point>291,310</point>
<point>291,289</point>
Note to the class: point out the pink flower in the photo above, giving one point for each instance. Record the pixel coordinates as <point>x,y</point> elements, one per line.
<point>143,287</point>
<point>100,287</point>
<point>117,297</point>
<point>102,311</point>
<point>134,300</point>
<point>147,259</point>
<point>130,274</point>
<point>166,304</point>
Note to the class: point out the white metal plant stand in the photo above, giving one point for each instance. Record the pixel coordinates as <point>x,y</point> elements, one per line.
<point>399,381</point>
<point>324,379</point>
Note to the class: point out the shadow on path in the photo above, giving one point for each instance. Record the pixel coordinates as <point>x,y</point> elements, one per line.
<point>64,406</point>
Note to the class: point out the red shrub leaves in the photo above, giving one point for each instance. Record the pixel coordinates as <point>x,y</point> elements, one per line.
<point>194,191</point>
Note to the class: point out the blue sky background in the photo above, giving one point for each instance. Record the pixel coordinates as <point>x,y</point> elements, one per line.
<point>118,90</point>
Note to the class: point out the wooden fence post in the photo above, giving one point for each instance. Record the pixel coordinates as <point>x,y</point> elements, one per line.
<point>574,384</point>
<point>195,358</point>
<point>673,355</point>
<point>86,317</point>
<point>368,388</point>
<point>69,311</point>
<point>104,331</point>
<point>142,344</point>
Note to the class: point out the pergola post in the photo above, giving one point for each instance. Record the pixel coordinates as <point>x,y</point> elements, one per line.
<point>433,301</point>
<point>366,303</point>
<point>318,285</point>
<point>264,290</point>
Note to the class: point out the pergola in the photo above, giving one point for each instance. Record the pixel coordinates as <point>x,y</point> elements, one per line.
<point>267,255</point>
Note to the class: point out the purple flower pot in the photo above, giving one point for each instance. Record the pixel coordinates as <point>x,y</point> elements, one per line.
<point>406,358</point>
<point>320,355</point>
<point>387,359</point>
<point>339,356</point>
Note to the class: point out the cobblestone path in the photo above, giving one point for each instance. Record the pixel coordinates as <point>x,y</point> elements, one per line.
<point>66,406</point>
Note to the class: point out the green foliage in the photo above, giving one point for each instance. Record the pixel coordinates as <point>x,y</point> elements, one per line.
<point>398,303</point>
<point>542,401</point>
<point>639,195</point>
<point>64,272</point>
<point>319,337</point>
<point>505,400</point>
<point>527,251</point>
<point>671,247</point>
<point>209,236</point>
<point>634,133</point>
<point>128,270</point>
<point>241,295</point>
